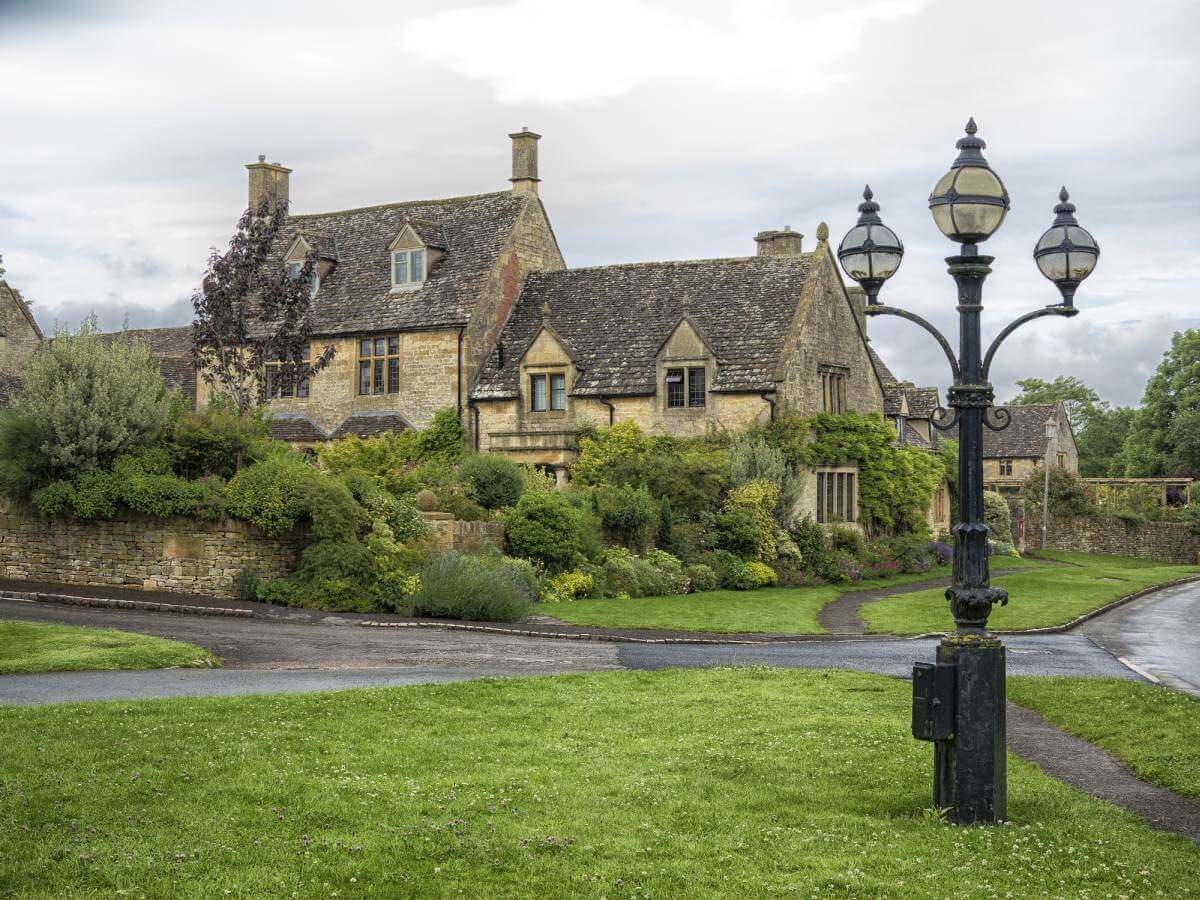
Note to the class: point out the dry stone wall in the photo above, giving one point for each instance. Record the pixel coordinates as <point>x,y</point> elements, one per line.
<point>184,556</point>
<point>1168,542</point>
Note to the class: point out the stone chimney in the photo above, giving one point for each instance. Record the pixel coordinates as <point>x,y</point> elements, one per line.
<point>858,301</point>
<point>524,161</point>
<point>268,180</point>
<point>779,243</point>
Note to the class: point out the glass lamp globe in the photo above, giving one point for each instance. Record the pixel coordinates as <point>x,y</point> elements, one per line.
<point>970,201</point>
<point>1066,253</point>
<point>870,252</point>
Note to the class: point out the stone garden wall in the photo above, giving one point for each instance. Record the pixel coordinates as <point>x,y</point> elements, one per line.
<point>185,556</point>
<point>463,537</point>
<point>1169,542</point>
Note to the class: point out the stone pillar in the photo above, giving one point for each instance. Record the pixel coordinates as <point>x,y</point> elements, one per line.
<point>525,161</point>
<point>269,181</point>
<point>560,476</point>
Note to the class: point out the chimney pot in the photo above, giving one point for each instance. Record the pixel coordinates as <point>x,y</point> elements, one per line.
<point>779,243</point>
<point>525,161</point>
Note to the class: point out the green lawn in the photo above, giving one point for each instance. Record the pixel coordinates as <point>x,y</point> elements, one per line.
<point>1153,730</point>
<point>709,783</point>
<point>792,610</point>
<point>38,647</point>
<point>1038,598</point>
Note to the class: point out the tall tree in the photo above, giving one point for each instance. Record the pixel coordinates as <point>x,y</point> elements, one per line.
<point>1102,443</point>
<point>1081,402</point>
<point>1164,438</point>
<point>250,309</point>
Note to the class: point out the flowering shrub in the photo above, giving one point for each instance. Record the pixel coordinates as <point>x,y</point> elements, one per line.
<point>763,575</point>
<point>567,586</point>
<point>759,498</point>
<point>849,568</point>
<point>943,553</point>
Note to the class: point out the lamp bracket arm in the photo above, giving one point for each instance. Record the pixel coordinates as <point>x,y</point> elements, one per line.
<point>1058,309</point>
<point>879,309</point>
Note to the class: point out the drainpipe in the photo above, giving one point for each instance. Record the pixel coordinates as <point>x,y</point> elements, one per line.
<point>474,407</point>
<point>612,410</point>
<point>766,396</point>
<point>458,386</point>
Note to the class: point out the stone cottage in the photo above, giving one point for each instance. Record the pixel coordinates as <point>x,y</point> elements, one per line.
<point>19,337</point>
<point>410,295</point>
<point>683,348</point>
<point>1012,455</point>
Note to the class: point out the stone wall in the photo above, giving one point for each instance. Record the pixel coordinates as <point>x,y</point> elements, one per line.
<point>463,537</point>
<point>1168,542</point>
<point>182,556</point>
<point>18,339</point>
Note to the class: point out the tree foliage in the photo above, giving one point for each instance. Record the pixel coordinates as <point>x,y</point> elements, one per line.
<point>1164,436</point>
<point>1101,445</point>
<point>1081,402</point>
<point>249,309</point>
<point>86,399</point>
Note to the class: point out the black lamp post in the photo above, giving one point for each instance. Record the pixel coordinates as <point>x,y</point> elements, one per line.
<point>958,702</point>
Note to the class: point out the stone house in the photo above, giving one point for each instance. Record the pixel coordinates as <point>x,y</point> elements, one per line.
<point>1012,455</point>
<point>682,348</point>
<point>19,337</point>
<point>410,295</point>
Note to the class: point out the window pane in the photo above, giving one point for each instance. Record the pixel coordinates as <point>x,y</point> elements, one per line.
<point>674,388</point>
<point>272,381</point>
<point>302,385</point>
<point>829,495</point>
<point>820,496</point>
<point>537,384</point>
<point>378,377</point>
<point>364,377</point>
<point>400,267</point>
<point>393,376</point>
<point>418,266</point>
<point>393,345</point>
<point>840,506</point>
<point>558,392</point>
<point>294,269</point>
<point>696,388</point>
<point>364,347</point>
<point>306,354</point>
<point>380,347</point>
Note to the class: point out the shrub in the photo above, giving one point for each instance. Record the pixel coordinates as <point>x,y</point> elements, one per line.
<point>1003,548</point>
<point>629,513</point>
<point>444,438</point>
<point>752,459</point>
<point>54,499</point>
<point>763,575</point>
<point>731,571</point>
<point>336,575</point>
<point>759,498</point>
<point>470,587</point>
<point>546,528</point>
<point>248,584</point>
<point>942,552</point>
<point>815,555</point>
<point>847,540</point>
<point>738,531</point>
<point>670,569</point>
<point>334,512</point>
<point>277,492</point>
<point>567,586</point>
<point>451,500</point>
<point>491,480</point>
<point>1068,495</point>
<point>23,466</point>
<point>427,501</point>
<point>849,568</point>
<point>997,516</point>
<point>913,552</point>
<point>217,441</point>
<point>701,577</point>
<point>94,495</point>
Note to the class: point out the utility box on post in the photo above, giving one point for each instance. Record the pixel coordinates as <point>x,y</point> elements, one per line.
<point>933,701</point>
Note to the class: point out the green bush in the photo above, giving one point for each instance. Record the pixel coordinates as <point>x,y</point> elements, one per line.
<point>1068,495</point>
<point>752,458</point>
<point>248,585</point>
<point>913,552</point>
<point>217,441</point>
<point>997,516</point>
<point>762,574</point>
<point>760,499</point>
<point>737,530</point>
<point>335,514</point>
<point>546,528</point>
<point>474,588</point>
<point>23,466</point>
<point>450,499</point>
<point>444,438</point>
<point>54,499</point>
<point>278,492</point>
<point>491,480</point>
<point>335,575</point>
<point>567,586</point>
<point>383,455</point>
<point>94,495</point>
<point>630,514</point>
<point>816,557</point>
<point>701,577</point>
<point>732,572</point>
<point>847,540</point>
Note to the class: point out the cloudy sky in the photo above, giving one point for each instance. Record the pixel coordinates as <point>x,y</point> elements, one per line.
<point>672,130</point>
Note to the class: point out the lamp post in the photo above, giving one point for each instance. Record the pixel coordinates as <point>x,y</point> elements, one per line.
<point>1051,434</point>
<point>958,702</point>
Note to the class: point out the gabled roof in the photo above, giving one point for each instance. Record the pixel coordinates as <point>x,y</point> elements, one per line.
<point>893,400</point>
<point>22,306</point>
<point>885,374</point>
<point>356,296</point>
<point>296,428</point>
<point>371,424</point>
<point>432,234</point>
<point>175,341</point>
<point>1025,436</point>
<point>616,318</point>
<point>922,401</point>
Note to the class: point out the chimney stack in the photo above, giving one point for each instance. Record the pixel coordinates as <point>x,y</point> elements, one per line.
<point>269,180</point>
<point>779,243</point>
<point>525,161</point>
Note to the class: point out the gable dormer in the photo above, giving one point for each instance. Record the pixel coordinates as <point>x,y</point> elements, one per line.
<point>413,253</point>
<point>305,245</point>
<point>547,372</point>
<point>686,367</point>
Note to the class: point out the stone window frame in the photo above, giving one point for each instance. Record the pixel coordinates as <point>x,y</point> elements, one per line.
<point>386,363</point>
<point>835,387</point>
<point>687,367</point>
<point>837,494</point>
<point>301,389</point>
<point>1005,468</point>
<point>407,253</point>
<point>549,373</point>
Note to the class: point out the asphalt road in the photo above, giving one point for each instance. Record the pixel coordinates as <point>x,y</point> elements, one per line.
<point>1158,634</point>
<point>272,657</point>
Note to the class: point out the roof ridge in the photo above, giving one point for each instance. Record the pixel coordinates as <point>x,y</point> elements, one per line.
<point>673,262</point>
<point>400,203</point>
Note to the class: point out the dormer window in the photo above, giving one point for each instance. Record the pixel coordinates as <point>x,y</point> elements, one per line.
<point>295,267</point>
<point>408,268</point>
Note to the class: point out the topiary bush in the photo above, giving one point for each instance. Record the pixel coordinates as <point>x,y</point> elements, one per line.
<point>491,480</point>
<point>475,588</point>
<point>546,528</point>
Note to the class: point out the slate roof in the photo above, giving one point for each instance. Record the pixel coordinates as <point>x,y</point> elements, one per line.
<point>296,428</point>
<point>914,438</point>
<point>922,401</point>
<point>614,320</point>
<point>885,374</point>
<point>9,385</point>
<point>371,424</point>
<point>356,296</point>
<point>893,400</point>
<point>1024,438</point>
<point>172,347</point>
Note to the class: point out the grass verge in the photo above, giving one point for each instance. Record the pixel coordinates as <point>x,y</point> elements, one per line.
<point>40,647</point>
<point>721,782</point>
<point>1038,598</point>
<point>1153,730</point>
